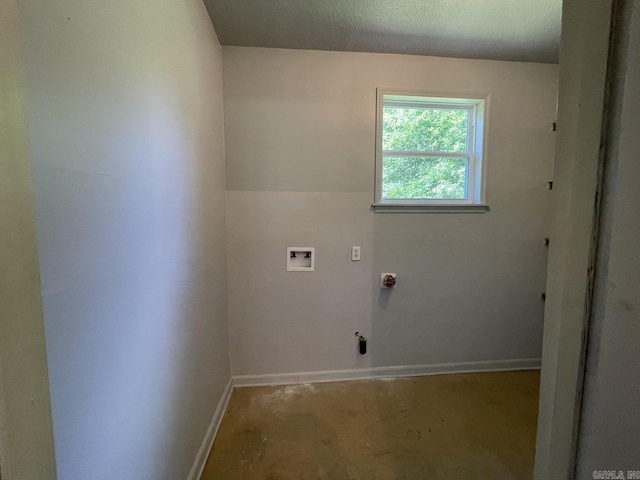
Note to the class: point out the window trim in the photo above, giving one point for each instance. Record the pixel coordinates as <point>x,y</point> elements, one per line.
<point>478,105</point>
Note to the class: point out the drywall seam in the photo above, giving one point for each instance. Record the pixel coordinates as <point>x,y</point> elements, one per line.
<point>210,436</point>
<point>385,372</point>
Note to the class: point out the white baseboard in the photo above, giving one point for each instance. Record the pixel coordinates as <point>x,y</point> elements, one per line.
<point>385,372</point>
<point>212,431</point>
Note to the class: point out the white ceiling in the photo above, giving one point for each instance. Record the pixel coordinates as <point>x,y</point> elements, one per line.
<point>521,30</point>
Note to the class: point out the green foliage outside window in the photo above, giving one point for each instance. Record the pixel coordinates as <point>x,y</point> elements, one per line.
<point>424,177</point>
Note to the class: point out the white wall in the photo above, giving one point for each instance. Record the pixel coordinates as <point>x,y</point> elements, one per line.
<point>610,426</point>
<point>26,435</point>
<point>300,143</point>
<point>126,130</point>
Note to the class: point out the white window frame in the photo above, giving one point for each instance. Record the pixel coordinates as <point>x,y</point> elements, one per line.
<point>478,106</point>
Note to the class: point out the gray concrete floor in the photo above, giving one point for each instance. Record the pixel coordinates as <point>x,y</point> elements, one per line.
<point>443,427</point>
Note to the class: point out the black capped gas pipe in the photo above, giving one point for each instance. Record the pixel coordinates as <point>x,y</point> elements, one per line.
<point>362,343</point>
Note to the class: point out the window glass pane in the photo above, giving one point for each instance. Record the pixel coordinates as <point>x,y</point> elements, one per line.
<point>424,177</point>
<point>425,129</point>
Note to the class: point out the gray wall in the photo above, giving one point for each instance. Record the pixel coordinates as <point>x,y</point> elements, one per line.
<point>126,131</point>
<point>300,143</point>
<point>26,436</point>
<point>610,427</point>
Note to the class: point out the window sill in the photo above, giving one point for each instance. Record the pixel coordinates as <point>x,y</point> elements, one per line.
<point>424,208</point>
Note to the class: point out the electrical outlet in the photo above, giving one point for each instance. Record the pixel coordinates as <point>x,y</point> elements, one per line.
<point>355,254</point>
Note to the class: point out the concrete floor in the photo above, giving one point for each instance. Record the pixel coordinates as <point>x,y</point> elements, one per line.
<point>466,426</point>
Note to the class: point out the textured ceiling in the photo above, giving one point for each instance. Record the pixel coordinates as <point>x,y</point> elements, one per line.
<point>522,30</point>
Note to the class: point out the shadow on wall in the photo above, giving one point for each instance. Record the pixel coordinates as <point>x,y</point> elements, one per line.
<point>453,302</point>
<point>300,171</point>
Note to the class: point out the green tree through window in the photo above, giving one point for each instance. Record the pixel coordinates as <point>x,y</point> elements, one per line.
<point>437,130</point>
